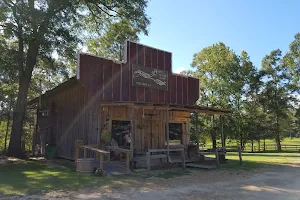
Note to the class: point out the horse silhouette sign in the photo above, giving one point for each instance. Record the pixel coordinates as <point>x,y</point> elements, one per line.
<point>149,78</point>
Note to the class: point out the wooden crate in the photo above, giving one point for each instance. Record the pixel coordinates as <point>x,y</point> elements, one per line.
<point>85,165</point>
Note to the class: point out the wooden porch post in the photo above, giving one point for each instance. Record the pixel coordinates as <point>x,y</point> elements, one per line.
<point>197,132</point>
<point>222,131</point>
<point>167,129</point>
<point>132,133</point>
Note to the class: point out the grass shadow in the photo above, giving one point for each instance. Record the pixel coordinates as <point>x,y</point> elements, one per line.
<point>31,177</point>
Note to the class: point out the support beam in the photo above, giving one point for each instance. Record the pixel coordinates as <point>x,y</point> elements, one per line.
<point>132,133</point>
<point>167,132</point>
<point>217,158</point>
<point>222,132</point>
<point>197,132</point>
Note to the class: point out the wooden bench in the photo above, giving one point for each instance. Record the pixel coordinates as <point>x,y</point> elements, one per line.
<point>149,156</point>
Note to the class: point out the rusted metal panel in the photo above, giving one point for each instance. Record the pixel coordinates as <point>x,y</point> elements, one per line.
<point>179,90</point>
<point>132,60</point>
<point>116,82</point>
<point>193,90</point>
<point>184,90</point>
<point>125,83</point>
<point>173,89</point>
<point>168,67</point>
<point>99,78</point>
<point>140,61</point>
<point>148,63</point>
<point>113,81</point>
<point>107,80</point>
<point>161,66</point>
<point>197,89</point>
<point>155,94</point>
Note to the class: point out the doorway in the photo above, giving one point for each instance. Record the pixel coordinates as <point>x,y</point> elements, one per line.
<point>121,133</point>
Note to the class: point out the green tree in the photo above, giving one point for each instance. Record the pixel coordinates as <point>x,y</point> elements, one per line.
<point>275,93</point>
<point>292,61</point>
<point>225,78</point>
<point>111,44</point>
<point>42,28</point>
<point>8,86</point>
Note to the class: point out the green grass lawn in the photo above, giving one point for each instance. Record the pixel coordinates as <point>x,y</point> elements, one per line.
<point>33,177</point>
<point>256,160</point>
<point>270,144</point>
<point>19,177</point>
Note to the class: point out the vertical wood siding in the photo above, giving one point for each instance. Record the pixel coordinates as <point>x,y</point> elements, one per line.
<point>112,82</point>
<point>76,118</point>
<point>154,135</point>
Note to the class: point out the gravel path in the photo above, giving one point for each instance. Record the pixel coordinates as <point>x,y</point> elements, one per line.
<point>282,182</point>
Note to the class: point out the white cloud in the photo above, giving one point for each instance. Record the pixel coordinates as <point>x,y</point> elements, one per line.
<point>178,70</point>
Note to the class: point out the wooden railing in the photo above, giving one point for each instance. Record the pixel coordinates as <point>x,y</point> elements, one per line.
<point>127,152</point>
<point>91,148</point>
<point>149,156</point>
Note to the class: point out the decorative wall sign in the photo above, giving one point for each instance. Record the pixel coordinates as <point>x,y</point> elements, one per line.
<point>182,119</point>
<point>119,112</point>
<point>149,78</point>
<point>182,114</point>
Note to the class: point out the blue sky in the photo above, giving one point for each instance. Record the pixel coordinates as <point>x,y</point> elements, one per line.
<point>256,26</point>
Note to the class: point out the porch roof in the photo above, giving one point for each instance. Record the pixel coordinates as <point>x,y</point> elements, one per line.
<point>172,107</point>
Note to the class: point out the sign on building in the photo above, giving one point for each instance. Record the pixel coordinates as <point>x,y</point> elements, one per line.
<point>149,78</point>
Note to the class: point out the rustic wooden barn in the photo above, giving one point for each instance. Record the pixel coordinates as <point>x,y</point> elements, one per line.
<point>140,93</point>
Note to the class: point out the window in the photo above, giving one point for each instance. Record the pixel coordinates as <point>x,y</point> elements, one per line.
<point>175,133</point>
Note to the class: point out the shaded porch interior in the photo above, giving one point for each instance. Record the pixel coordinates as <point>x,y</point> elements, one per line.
<point>159,133</point>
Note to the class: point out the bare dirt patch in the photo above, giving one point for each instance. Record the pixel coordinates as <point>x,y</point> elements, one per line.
<point>280,182</point>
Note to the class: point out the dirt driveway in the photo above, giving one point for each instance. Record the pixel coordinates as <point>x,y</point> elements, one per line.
<point>280,182</point>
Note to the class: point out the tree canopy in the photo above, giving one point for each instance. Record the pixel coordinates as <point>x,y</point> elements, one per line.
<point>263,98</point>
<point>47,33</point>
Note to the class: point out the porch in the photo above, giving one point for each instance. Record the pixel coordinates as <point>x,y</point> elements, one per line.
<point>151,134</point>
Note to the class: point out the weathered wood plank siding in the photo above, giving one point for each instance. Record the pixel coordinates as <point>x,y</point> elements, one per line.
<point>113,81</point>
<point>153,135</point>
<point>76,118</point>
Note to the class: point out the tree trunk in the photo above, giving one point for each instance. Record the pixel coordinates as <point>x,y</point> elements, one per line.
<point>242,142</point>
<point>6,134</point>
<point>214,141</point>
<point>264,145</point>
<point>252,146</point>
<point>8,122</point>
<point>14,148</point>
<point>277,137</point>
<point>25,74</point>
<point>213,134</point>
<point>278,142</point>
